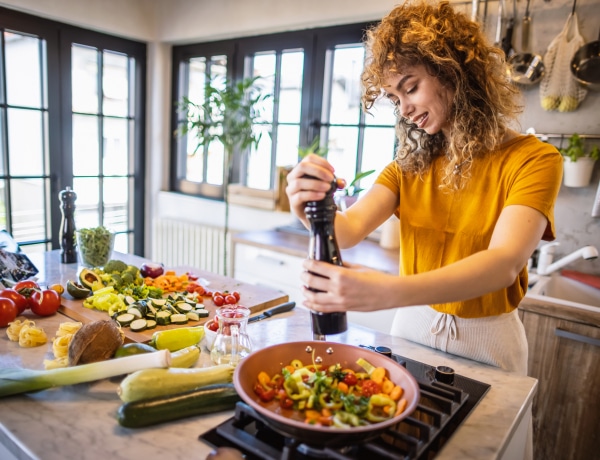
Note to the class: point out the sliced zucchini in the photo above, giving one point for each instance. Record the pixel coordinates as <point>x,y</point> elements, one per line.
<point>125,319</point>
<point>202,313</point>
<point>183,307</point>
<point>150,324</point>
<point>179,318</point>
<point>192,316</point>
<point>163,318</point>
<point>200,306</point>
<point>129,300</point>
<point>159,302</point>
<point>135,312</point>
<point>138,325</point>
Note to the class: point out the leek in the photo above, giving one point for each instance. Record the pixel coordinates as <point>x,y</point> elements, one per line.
<point>16,381</point>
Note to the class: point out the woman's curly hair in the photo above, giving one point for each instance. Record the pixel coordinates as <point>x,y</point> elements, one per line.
<point>455,50</point>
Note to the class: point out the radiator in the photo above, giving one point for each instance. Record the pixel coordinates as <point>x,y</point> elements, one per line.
<point>180,243</point>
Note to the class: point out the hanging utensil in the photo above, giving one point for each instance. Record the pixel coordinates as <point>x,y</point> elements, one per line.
<point>525,28</point>
<point>525,68</point>
<point>499,23</point>
<point>507,40</point>
<point>585,65</point>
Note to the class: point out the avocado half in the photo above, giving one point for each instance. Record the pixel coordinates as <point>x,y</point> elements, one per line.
<point>78,291</point>
<point>89,279</point>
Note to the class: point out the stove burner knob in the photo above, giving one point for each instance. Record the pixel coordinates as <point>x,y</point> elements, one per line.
<point>444,374</point>
<point>385,351</point>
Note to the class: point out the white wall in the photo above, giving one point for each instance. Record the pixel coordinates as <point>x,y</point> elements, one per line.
<point>163,23</point>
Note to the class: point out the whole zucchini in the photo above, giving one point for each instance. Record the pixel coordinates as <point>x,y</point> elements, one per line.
<point>209,399</point>
<point>163,382</point>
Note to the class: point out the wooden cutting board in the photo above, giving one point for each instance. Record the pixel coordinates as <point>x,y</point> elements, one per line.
<point>256,298</point>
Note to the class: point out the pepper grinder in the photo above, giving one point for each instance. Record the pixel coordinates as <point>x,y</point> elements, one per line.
<point>324,246</point>
<point>68,252</point>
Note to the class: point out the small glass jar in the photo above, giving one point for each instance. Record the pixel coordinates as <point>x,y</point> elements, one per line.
<point>232,342</point>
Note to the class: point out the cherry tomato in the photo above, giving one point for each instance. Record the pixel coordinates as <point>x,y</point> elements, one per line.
<point>45,303</point>
<point>350,379</point>
<point>264,394</point>
<point>195,287</point>
<point>19,300</point>
<point>370,388</point>
<point>285,402</point>
<point>218,300</point>
<point>8,311</point>
<point>230,299</point>
<point>213,326</point>
<point>236,294</point>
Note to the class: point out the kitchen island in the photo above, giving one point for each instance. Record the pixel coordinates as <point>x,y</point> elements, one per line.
<point>79,421</point>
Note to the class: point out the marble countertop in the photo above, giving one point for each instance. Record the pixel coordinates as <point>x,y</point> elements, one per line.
<point>79,421</point>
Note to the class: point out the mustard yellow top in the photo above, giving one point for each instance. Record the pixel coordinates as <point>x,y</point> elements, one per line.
<point>439,227</point>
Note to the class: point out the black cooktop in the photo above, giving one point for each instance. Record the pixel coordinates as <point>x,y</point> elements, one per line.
<point>445,401</point>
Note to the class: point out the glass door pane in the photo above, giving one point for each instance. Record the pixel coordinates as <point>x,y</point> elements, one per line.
<point>25,185</point>
<point>103,135</point>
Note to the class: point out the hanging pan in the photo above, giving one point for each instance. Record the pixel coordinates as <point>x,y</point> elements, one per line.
<point>525,68</point>
<point>585,65</point>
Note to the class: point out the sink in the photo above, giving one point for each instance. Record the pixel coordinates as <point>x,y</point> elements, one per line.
<point>565,291</point>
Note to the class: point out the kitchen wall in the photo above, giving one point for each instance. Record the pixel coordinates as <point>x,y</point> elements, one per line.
<point>162,23</point>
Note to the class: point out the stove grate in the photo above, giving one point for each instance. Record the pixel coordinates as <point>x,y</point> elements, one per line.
<point>420,436</point>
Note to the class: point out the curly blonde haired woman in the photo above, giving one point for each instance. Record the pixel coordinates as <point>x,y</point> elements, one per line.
<point>474,197</point>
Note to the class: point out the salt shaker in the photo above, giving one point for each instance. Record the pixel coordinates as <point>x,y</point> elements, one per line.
<point>68,252</point>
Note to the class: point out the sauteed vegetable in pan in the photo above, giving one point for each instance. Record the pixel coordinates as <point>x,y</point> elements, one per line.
<point>334,396</point>
<point>326,393</point>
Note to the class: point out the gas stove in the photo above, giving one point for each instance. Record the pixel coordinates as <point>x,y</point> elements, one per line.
<point>446,399</point>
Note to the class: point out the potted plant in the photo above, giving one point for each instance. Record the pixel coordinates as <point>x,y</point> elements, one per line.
<point>578,164</point>
<point>226,115</point>
<point>349,194</point>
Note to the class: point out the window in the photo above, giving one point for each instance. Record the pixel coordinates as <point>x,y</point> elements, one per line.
<point>72,114</point>
<point>314,76</point>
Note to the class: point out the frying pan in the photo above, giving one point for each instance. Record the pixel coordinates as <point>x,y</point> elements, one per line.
<point>585,65</point>
<point>290,423</point>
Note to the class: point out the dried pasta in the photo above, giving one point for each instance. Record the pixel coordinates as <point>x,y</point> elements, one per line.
<point>32,336</point>
<point>14,328</point>
<point>68,328</point>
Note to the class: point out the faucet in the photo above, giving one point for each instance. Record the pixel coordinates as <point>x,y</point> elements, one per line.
<point>545,265</point>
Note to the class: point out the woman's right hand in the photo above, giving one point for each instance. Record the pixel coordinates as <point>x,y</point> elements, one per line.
<point>301,189</point>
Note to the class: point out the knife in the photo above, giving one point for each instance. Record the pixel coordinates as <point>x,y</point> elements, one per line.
<point>273,311</point>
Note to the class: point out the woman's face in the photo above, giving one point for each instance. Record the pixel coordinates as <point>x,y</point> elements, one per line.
<point>420,98</point>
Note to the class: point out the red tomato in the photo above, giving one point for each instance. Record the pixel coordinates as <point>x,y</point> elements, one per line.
<point>350,379</point>
<point>194,287</point>
<point>370,388</point>
<point>45,303</point>
<point>230,299</point>
<point>8,311</point>
<point>26,284</point>
<point>219,300</point>
<point>236,294</point>
<point>19,300</point>
<point>213,325</point>
<point>264,394</point>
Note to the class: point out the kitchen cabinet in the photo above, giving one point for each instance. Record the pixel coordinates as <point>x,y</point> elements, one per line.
<point>564,355</point>
<point>270,268</point>
<point>274,259</point>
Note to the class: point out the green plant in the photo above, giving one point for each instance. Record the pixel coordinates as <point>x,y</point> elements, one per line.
<point>314,148</point>
<point>352,189</point>
<point>575,149</point>
<point>227,115</point>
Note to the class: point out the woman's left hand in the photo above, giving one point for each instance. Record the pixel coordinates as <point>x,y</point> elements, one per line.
<point>351,287</point>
